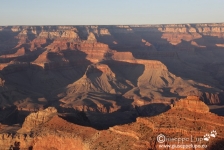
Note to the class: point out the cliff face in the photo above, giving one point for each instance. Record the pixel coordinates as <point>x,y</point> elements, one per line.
<point>39,118</point>
<point>188,117</point>
<point>108,71</point>
<point>192,103</point>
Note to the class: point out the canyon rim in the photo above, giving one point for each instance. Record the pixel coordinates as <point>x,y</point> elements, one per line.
<point>111,86</point>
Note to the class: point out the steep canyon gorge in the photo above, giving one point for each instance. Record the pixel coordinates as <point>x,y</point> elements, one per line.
<point>110,86</point>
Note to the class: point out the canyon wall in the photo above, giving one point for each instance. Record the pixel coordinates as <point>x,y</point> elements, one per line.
<point>182,120</point>
<point>109,71</point>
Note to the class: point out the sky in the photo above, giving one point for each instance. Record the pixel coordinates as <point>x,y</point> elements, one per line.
<point>110,12</point>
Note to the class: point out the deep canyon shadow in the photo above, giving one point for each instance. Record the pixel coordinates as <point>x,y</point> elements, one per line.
<point>161,50</point>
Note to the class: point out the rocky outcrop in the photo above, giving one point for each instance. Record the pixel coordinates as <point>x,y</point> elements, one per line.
<point>95,51</point>
<point>192,103</point>
<point>38,118</point>
<point>212,98</point>
<point>104,31</point>
<point>20,52</point>
<point>111,73</point>
<point>175,38</point>
<point>56,133</point>
<point>91,38</point>
<point>48,131</point>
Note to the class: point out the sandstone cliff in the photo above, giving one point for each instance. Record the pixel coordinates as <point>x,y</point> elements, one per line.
<point>112,73</point>
<point>51,132</point>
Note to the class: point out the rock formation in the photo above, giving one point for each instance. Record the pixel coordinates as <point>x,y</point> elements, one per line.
<point>192,103</point>
<point>111,74</point>
<point>37,119</point>
<point>48,131</point>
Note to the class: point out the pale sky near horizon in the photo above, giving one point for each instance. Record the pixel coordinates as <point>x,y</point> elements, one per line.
<point>109,12</point>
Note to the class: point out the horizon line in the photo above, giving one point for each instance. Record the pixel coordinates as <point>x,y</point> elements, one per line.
<point>111,24</point>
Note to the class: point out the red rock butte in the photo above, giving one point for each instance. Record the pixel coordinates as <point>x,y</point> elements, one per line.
<point>109,86</point>
<point>46,130</point>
